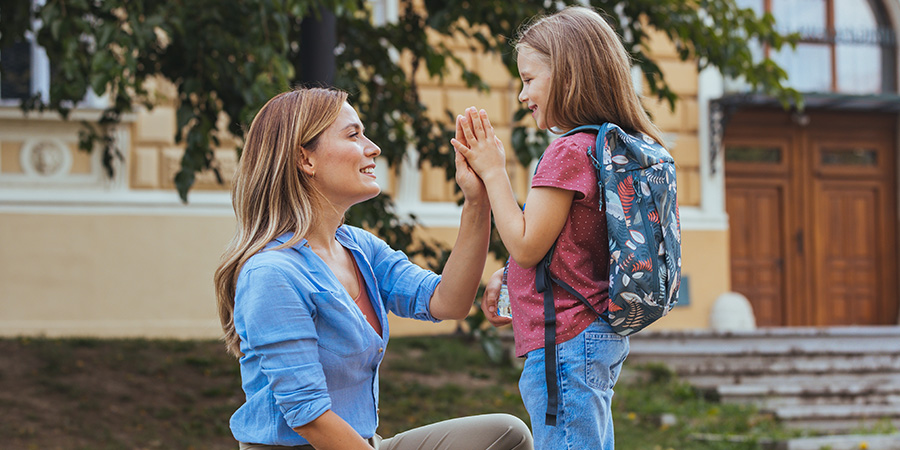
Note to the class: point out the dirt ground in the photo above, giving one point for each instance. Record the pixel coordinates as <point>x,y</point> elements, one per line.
<point>90,394</point>
<point>87,394</point>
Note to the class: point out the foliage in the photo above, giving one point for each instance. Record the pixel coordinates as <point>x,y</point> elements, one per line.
<point>226,59</point>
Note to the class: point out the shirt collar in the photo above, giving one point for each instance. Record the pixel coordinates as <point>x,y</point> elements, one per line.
<point>342,235</point>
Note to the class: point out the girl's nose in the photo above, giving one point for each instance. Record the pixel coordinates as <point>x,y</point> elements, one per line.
<point>522,97</point>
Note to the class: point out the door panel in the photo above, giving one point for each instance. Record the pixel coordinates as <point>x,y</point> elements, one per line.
<point>848,266</point>
<point>826,193</point>
<point>757,244</point>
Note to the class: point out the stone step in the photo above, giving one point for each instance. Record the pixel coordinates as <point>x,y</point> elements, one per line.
<point>687,365</point>
<point>836,418</point>
<point>812,380</point>
<point>774,341</point>
<point>823,396</point>
<point>841,442</point>
<point>830,380</point>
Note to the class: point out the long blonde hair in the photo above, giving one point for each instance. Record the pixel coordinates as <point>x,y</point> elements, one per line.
<point>590,71</point>
<point>270,194</point>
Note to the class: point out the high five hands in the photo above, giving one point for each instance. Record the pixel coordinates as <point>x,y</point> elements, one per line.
<point>476,142</point>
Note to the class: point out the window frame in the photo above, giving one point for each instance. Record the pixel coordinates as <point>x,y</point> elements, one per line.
<point>40,74</point>
<point>831,41</point>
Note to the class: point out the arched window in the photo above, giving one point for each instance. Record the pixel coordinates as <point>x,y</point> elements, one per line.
<point>846,46</point>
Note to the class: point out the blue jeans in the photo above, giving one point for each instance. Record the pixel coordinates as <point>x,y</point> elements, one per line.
<point>587,367</point>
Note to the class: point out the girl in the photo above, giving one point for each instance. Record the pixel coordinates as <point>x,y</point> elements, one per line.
<point>303,299</point>
<point>575,71</point>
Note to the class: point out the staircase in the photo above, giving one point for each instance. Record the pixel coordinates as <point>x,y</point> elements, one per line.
<point>832,380</point>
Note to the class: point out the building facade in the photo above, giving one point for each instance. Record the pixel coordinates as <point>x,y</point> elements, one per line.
<point>796,211</point>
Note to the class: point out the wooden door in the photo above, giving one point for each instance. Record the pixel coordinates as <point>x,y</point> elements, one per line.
<point>812,213</point>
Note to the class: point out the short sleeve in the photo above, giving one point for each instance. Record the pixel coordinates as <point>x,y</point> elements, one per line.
<point>566,165</point>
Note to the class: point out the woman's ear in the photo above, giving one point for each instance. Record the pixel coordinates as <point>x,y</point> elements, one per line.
<point>307,163</point>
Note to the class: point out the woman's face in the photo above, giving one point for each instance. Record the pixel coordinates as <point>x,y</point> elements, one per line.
<point>343,162</point>
<point>534,70</point>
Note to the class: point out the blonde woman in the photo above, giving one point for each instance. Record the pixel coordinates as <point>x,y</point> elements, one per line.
<point>303,299</point>
<point>575,71</point>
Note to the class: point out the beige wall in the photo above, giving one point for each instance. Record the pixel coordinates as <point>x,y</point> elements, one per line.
<point>119,275</point>
<point>110,275</point>
<point>706,264</point>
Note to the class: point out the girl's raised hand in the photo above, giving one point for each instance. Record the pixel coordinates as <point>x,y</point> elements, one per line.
<point>482,149</point>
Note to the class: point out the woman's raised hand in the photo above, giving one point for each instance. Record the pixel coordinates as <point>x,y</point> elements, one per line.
<point>471,186</point>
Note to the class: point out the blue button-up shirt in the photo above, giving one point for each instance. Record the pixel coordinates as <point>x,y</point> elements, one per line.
<point>307,347</point>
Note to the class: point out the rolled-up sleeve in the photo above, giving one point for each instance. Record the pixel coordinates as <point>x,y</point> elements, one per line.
<point>276,321</point>
<point>405,287</point>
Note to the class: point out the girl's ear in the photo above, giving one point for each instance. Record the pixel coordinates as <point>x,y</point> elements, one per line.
<point>307,162</point>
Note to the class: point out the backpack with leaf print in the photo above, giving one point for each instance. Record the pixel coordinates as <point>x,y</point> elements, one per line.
<point>636,177</point>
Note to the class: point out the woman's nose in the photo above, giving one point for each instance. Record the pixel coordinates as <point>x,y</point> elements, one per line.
<point>522,97</point>
<point>372,148</point>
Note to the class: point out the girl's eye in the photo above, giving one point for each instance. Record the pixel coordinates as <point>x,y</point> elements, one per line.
<point>354,134</point>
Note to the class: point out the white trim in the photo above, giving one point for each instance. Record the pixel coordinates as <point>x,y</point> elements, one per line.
<point>408,198</point>
<point>432,214</point>
<point>40,69</point>
<point>385,11</point>
<point>104,202</point>
<point>696,219</point>
<point>711,85</point>
<point>89,114</point>
<point>165,328</point>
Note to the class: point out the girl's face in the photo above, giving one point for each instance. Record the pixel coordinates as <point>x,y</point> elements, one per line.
<point>534,69</point>
<point>343,163</point>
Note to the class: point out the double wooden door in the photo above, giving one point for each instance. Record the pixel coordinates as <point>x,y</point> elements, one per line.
<point>812,206</point>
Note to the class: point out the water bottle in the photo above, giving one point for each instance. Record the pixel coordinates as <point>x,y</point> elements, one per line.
<point>503,306</point>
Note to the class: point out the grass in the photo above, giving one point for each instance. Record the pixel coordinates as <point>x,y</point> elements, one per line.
<point>146,394</point>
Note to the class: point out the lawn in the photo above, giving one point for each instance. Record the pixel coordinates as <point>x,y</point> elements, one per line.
<point>147,394</point>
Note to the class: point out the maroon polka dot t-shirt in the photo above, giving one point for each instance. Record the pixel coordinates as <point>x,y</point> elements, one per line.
<point>581,258</point>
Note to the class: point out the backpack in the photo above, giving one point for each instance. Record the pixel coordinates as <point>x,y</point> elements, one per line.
<point>636,177</point>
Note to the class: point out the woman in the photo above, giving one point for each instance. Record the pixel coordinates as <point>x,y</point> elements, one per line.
<point>303,298</point>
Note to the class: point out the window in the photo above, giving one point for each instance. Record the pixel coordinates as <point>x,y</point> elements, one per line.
<point>26,73</point>
<point>846,46</point>
<point>15,83</point>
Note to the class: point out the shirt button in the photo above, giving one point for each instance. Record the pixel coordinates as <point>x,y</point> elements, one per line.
<point>380,349</point>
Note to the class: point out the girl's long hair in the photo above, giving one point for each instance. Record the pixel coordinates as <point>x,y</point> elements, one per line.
<point>270,194</point>
<point>590,71</point>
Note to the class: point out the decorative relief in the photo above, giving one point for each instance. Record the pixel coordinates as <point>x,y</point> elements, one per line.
<point>46,158</point>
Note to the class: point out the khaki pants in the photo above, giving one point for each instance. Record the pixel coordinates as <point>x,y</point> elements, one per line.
<point>488,432</point>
